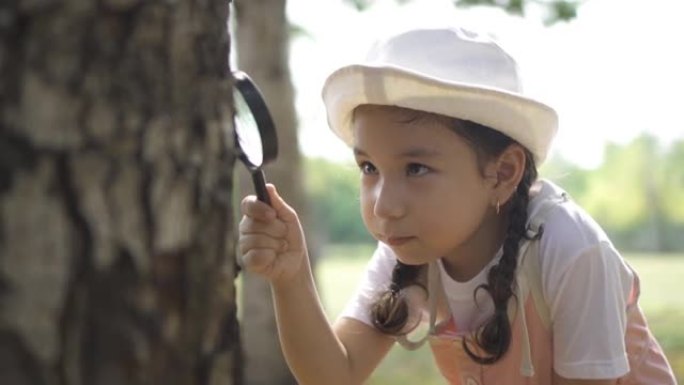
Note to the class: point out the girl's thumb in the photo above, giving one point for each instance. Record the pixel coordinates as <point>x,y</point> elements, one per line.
<point>284,211</point>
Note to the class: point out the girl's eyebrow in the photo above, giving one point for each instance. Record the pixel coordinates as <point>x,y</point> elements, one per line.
<point>416,152</point>
<point>419,152</point>
<point>359,152</point>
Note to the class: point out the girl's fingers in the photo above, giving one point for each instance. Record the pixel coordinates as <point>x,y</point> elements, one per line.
<point>256,241</point>
<point>259,261</point>
<point>271,241</point>
<point>285,213</point>
<point>257,209</point>
<point>283,210</point>
<point>274,228</point>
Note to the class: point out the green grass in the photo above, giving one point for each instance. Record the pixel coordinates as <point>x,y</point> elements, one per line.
<point>662,282</point>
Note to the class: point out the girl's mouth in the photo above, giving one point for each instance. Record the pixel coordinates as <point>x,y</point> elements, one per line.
<point>397,241</point>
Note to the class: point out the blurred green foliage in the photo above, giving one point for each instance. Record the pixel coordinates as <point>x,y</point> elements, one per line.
<point>556,10</point>
<point>636,195</point>
<point>334,192</point>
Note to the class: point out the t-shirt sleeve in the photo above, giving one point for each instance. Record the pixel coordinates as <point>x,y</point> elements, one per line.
<point>587,295</point>
<point>374,282</point>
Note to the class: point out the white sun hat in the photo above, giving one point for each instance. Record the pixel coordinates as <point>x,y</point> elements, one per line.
<point>453,72</point>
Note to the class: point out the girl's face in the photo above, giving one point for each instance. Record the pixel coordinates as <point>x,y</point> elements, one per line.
<point>422,192</point>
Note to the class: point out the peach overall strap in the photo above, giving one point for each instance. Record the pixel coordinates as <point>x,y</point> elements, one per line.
<point>528,260</point>
<point>528,279</point>
<point>433,290</point>
<point>526,366</point>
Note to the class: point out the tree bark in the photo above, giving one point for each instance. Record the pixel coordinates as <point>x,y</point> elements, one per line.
<point>262,41</point>
<point>116,248</point>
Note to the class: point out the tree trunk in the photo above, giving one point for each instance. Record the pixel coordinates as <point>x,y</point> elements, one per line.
<point>262,41</point>
<point>116,255</point>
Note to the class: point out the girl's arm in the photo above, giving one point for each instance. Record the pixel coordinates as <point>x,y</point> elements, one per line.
<point>272,245</point>
<point>317,353</point>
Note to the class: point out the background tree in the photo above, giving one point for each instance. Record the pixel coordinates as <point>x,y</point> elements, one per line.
<point>116,265</point>
<point>262,40</point>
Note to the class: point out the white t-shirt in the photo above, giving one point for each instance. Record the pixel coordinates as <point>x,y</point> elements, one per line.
<point>585,282</point>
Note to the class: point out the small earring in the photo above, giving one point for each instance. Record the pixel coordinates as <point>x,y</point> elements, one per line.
<point>498,206</point>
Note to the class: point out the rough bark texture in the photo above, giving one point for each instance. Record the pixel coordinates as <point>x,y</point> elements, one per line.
<point>262,41</point>
<point>116,254</point>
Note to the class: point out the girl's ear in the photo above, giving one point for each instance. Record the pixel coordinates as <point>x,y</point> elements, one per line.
<point>509,168</point>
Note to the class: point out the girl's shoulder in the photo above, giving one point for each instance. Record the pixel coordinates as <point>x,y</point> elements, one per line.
<point>569,233</point>
<point>565,224</point>
<point>572,242</point>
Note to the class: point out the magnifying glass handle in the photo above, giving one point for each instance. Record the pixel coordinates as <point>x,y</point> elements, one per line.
<point>260,186</point>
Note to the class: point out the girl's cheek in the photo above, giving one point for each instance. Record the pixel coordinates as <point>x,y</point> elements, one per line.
<point>366,203</point>
<point>365,189</point>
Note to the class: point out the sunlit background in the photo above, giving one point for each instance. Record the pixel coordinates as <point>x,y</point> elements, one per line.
<point>612,73</point>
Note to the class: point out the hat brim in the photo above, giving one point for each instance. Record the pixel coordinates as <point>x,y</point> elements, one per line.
<point>530,122</point>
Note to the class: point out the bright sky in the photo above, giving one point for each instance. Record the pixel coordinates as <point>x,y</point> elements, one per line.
<point>612,73</point>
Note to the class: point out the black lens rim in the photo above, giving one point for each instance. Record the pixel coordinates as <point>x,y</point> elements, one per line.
<point>262,116</point>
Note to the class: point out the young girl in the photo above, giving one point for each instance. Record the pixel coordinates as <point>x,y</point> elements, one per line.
<point>518,285</point>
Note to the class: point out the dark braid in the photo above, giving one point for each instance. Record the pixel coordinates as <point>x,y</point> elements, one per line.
<point>495,335</point>
<point>390,312</point>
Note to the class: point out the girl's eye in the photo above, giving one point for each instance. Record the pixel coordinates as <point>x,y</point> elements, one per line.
<point>416,169</point>
<point>367,168</point>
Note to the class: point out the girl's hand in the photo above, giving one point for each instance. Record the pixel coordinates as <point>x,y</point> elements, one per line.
<point>271,241</point>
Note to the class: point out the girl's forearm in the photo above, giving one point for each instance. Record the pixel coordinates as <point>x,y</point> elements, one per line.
<point>312,350</point>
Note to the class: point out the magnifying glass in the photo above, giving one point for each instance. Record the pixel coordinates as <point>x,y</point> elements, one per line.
<point>255,134</point>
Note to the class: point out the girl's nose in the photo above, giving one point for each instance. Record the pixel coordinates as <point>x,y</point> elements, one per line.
<point>389,203</point>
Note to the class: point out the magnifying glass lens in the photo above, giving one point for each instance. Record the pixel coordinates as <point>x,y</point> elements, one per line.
<point>254,130</point>
<point>247,131</point>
